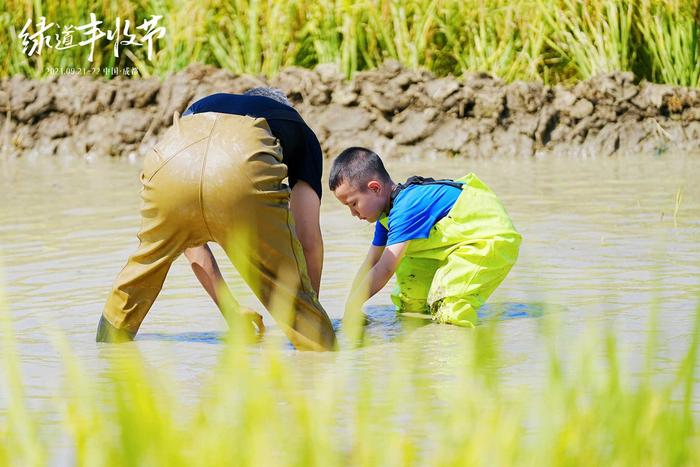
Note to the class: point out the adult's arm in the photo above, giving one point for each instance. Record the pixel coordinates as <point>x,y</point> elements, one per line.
<point>306,207</point>
<point>206,269</point>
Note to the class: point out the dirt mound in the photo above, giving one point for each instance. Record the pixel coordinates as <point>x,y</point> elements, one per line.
<point>395,111</point>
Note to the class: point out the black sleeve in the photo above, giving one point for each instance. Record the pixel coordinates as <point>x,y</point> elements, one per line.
<point>312,170</point>
<point>301,152</point>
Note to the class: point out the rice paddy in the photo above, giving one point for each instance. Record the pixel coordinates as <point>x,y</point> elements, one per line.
<point>604,373</point>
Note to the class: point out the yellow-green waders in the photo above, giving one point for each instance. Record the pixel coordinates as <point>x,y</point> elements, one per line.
<point>467,255</point>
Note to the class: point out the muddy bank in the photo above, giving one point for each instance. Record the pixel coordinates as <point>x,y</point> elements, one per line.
<point>395,111</point>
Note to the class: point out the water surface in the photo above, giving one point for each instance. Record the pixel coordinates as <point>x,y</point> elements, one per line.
<point>605,242</point>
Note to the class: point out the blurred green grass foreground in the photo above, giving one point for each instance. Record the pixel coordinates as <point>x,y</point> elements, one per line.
<point>261,405</point>
<point>264,406</point>
<point>554,41</point>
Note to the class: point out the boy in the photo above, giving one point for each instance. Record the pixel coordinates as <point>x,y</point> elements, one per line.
<point>450,243</point>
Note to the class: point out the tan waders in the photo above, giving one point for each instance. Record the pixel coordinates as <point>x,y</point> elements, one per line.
<point>464,259</point>
<point>218,177</point>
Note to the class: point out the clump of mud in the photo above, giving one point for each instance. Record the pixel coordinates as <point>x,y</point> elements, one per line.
<point>395,111</point>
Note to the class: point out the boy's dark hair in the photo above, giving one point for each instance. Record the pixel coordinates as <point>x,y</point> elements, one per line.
<point>357,165</point>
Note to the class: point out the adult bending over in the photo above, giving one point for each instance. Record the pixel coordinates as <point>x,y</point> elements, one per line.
<point>216,176</point>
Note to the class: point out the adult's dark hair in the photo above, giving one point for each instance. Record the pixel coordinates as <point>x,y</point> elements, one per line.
<point>357,165</point>
<point>271,93</point>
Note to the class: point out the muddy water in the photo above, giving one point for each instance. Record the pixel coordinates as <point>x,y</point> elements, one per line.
<point>604,240</point>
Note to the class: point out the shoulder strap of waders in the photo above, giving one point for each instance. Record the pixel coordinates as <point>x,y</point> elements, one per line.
<point>418,180</point>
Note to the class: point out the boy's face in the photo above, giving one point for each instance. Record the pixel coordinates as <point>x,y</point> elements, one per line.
<point>366,204</point>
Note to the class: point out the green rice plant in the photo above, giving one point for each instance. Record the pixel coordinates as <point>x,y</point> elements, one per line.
<point>495,36</point>
<point>404,30</point>
<point>11,58</point>
<point>20,443</point>
<point>352,33</point>
<point>375,405</point>
<point>258,37</point>
<point>279,43</point>
<point>669,31</point>
<point>323,30</point>
<point>185,40</point>
<point>590,37</point>
<point>235,36</point>
<point>61,14</point>
<point>337,33</point>
<point>120,423</point>
<point>360,35</point>
<point>547,40</point>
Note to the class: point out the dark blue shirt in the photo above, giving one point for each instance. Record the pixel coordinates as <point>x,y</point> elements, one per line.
<point>416,209</point>
<point>301,151</point>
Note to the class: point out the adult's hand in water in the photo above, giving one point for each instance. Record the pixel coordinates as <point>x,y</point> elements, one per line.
<point>254,318</point>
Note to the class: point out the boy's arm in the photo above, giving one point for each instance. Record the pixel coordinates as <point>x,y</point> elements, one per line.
<point>373,256</point>
<point>207,271</point>
<point>306,206</point>
<point>373,281</point>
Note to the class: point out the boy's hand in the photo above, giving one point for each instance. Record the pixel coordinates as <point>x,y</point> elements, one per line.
<point>366,285</point>
<point>354,321</point>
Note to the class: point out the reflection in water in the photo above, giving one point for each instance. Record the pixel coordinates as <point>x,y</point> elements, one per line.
<point>206,337</point>
<point>603,239</point>
<point>384,324</point>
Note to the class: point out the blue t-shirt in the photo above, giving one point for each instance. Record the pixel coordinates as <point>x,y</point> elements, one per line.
<point>416,210</point>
